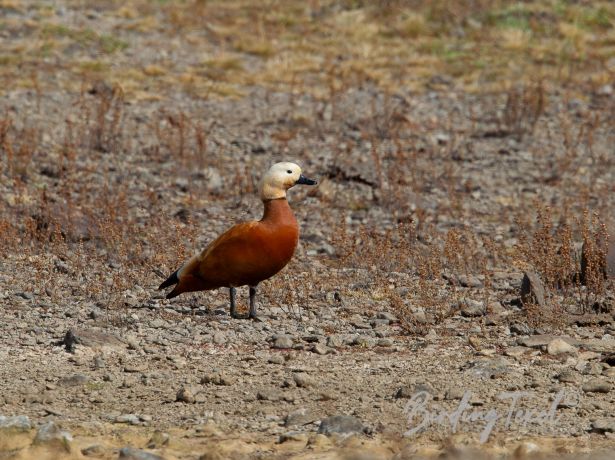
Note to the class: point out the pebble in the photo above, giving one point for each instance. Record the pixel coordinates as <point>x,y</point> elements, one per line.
<point>303,380</point>
<point>74,380</point>
<point>50,435</point>
<point>15,423</point>
<point>335,341</point>
<point>321,349</point>
<point>604,425</point>
<point>472,308</point>
<point>515,352</point>
<point>219,338</point>
<point>569,377</point>
<point>363,341</point>
<point>282,341</point>
<point>539,341</point>
<point>390,317</point>
<point>276,359</point>
<point>268,395</point>
<point>158,439</point>
<point>560,347</point>
<point>532,290</point>
<point>131,419</point>
<point>341,424</point>
<point>597,386</point>
<point>299,417</point>
<point>218,378</point>
<point>185,394</point>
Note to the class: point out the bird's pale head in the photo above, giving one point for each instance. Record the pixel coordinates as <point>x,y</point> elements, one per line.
<point>281,177</point>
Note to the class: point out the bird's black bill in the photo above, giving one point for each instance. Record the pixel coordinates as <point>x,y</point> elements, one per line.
<point>305,181</point>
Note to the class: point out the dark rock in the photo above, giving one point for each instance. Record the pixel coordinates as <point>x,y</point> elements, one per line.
<point>341,424</point>
<point>532,289</point>
<point>609,359</point>
<point>90,338</point>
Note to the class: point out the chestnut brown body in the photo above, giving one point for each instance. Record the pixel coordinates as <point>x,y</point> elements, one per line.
<point>246,254</point>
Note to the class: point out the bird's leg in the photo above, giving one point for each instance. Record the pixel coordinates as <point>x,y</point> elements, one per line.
<point>232,292</point>
<point>252,313</point>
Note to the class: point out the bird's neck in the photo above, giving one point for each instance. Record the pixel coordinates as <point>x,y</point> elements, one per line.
<point>278,211</point>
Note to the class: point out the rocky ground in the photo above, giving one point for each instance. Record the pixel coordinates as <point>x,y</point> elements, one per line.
<point>439,257</point>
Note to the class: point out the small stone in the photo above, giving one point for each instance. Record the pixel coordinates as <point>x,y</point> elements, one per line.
<point>363,341</point>
<point>51,435</point>
<point>276,359</point>
<point>218,378</point>
<point>597,386</point>
<point>569,377</point>
<point>472,308</point>
<point>268,395</point>
<point>515,352</point>
<point>158,440</point>
<point>130,453</point>
<point>388,316</point>
<point>303,380</point>
<point>539,341</point>
<point>74,380</point>
<point>15,423</point>
<point>335,341</point>
<point>520,329</point>
<point>320,349</point>
<point>560,347</point>
<point>185,395</point>
<point>131,419</point>
<point>469,281</point>
<point>282,341</point>
<point>219,338</point>
<point>90,338</point>
<point>299,417</point>
<point>341,424</point>
<point>474,342</point>
<point>532,289</point>
<point>604,425</point>
<point>385,342</point>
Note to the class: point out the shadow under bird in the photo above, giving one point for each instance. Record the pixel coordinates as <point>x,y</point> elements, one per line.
<point>249,252</point>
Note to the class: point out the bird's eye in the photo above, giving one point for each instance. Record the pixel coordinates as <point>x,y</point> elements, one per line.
<point>289,171</point>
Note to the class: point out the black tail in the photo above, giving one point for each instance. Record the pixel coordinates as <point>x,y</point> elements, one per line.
<point>171,280</point>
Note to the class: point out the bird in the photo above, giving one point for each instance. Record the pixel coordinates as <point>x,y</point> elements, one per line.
<point>248,252</point>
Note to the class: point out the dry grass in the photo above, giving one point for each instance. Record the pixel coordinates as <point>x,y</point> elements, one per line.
<point>88,236</point>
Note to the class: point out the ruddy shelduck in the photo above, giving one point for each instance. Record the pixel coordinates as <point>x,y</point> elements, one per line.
<point>249,252</point>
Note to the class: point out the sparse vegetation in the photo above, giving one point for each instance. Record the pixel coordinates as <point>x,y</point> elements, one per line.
<point>457,144</point>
